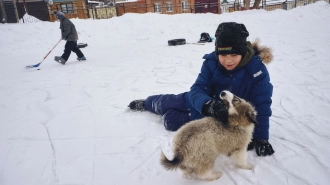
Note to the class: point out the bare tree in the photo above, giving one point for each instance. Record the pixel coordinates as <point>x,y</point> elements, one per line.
<point>236,5</point>
<point>256,4</point>
<point>3,10</point>
<point>25,7</point>
<point>15,9</point>
<point>247,4</point>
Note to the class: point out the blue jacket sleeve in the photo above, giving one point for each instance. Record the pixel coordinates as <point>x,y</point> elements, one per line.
<point>260,97</point>
<point>200,90</point>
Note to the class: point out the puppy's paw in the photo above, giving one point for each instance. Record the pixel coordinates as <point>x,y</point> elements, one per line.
<point>212,176</point>
<point>188,176</point>
<point>247,166</point>
<point>218,175</point>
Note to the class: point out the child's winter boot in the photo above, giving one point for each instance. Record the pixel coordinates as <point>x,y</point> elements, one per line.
<point>81,58</point>
<point>60,60</point>
<point>137,105</point>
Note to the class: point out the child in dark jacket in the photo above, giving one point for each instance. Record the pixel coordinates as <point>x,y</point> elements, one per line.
<point>68,33</point>
<point>235,65</point>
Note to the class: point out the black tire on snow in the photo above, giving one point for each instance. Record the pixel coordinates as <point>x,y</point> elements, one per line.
<point>175,42</point>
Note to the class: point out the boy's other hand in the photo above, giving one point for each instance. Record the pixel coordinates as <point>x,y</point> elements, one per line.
<point>262,146</point>
<point>216,109</point>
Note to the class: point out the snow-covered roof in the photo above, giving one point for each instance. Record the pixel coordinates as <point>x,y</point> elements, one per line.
<point>93,2</point>
<point>125,1</point>
<point>252,1</point>
<point>56,1</point>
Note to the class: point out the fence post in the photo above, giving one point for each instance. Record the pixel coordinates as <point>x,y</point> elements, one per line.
<point>106,12</point>
<point>93,12</point>
<point>96,15</point>
<point>236,5</point>
<point>264,4</point>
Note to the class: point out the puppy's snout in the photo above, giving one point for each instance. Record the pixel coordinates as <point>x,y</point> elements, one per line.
<point>222,94</point>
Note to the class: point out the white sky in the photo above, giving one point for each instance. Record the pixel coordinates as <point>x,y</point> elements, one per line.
<point>70,124</point>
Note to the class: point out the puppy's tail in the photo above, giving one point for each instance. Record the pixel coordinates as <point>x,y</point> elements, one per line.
<point>170,165</point>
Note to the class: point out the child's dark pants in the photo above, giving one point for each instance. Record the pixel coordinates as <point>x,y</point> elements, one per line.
<point>172,107</point>
<point>71,46</point>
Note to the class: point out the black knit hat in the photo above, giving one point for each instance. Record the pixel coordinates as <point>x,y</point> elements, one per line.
<point>231,38</point>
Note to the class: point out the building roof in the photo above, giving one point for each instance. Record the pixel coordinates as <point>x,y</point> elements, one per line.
<point>58,1</point>
<point>125,1</point>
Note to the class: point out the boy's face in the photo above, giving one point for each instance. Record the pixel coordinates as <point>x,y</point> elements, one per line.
<point>230,61</point>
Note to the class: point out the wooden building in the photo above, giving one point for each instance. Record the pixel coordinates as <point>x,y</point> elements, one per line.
<point>14,10</point>
<point>171,6</point>
<point>155,6</point>
<point>71,8</point>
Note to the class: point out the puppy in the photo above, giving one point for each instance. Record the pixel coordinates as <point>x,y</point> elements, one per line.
<point>197,144</point>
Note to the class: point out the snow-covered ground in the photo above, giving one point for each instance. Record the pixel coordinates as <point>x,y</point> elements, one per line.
<point>70,125</point>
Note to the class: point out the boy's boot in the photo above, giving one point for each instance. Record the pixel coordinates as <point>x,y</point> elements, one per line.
<point>137,105</point>
<point>81,58</point>
<point>60,60</point>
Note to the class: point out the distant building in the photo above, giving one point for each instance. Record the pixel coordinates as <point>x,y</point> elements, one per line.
<point>71,8</point>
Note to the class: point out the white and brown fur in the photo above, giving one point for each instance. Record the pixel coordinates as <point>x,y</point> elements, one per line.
<point>265,53</point>
<point>197,144</point>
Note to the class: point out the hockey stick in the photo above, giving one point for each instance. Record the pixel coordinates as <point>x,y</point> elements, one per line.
<point>196,43</point>
<point>37,65</point>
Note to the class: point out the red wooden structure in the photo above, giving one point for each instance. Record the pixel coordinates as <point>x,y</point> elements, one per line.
<point>207,6</point>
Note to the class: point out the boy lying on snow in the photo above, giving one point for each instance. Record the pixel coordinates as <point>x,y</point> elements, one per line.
<point>235,65</point>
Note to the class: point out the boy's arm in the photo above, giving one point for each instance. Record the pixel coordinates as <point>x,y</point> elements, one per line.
<point>66,29</point>
<point>200,90</point>
<point>260,97</point>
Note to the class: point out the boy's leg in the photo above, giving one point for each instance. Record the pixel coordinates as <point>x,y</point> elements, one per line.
<point>77,50</point>
<point>174,119</point>
<point>160,104</point>
<point>67,49</point>
<point>173,108</point>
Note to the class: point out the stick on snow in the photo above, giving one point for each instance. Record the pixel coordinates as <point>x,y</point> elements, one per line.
<point>38,64</point>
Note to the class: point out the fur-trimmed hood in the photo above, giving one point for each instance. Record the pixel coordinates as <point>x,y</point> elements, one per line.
<point>264,52</point>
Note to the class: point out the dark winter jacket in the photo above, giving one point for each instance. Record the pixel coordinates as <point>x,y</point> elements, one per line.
<point>68,30</point>
<point>249,81</point>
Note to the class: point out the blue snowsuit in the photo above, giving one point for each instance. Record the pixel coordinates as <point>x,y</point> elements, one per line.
<point>250,82</point>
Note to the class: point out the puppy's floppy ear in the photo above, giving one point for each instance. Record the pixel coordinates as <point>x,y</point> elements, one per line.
<point>251,117</point>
